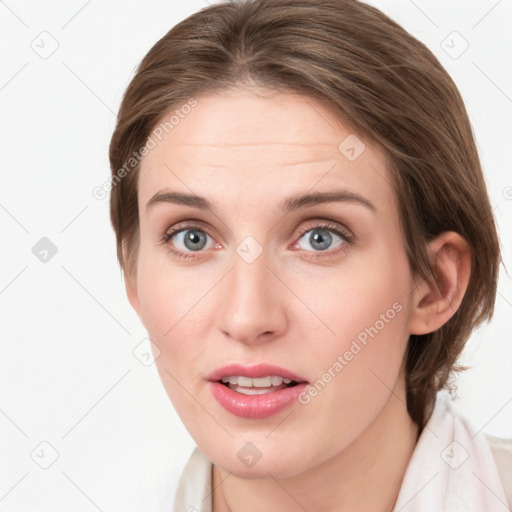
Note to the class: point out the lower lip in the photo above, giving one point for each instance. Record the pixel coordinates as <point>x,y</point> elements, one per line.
<point>255,406</point>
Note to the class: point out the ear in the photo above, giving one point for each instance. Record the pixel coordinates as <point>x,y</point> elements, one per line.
<point>433,306</point>
<point>130,282</point>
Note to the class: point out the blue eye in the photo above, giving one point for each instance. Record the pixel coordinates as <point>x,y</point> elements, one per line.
<point>194,239</point>
<point>322,239</point>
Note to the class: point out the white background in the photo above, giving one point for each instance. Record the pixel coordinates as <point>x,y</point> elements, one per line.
<point>68,375</point>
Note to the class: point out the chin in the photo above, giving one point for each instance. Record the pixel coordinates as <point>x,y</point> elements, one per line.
<point>259,459</point>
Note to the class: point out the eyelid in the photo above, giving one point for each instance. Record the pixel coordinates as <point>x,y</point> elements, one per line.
<point>185,226</point>
<point>327,225</point>
<point>318,223</point>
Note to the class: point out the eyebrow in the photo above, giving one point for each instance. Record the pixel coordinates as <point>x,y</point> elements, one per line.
<point>290,204</point>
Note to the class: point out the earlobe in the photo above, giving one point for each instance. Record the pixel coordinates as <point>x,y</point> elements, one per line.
<point>434,305</point>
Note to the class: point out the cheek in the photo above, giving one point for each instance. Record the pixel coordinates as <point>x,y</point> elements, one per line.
<point>365,312</point>
<point>165,292</point>
<point>174,304</point>
<point>366,296</point>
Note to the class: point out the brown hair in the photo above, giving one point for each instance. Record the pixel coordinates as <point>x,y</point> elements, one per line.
<point>371,73</point>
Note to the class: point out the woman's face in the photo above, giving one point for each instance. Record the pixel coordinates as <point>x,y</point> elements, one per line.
<point>271,274</point>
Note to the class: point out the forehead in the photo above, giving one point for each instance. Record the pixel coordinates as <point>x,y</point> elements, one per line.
<point>240,140</point>
<point>240,118</point>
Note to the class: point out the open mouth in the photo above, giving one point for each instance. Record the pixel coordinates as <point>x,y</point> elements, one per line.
<point>255,392</point>
<point>257,385</point>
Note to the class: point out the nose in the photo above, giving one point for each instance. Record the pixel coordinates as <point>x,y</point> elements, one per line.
<point>252,302</point>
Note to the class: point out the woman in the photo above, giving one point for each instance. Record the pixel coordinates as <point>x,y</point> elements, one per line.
<point>305,232</point>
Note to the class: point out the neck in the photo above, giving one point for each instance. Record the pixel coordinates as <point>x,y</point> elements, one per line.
<point>366,476</point>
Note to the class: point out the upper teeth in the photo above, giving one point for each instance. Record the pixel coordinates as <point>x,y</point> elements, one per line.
<point>260,382</point>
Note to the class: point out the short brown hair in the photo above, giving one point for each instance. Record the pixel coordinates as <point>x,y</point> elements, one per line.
<point>374,75</point>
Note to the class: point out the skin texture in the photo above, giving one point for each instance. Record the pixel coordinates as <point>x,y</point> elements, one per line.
<point>348,448</point>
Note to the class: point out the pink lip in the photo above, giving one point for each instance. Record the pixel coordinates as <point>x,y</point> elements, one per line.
<point>254,406</point>
<point>259,370</point>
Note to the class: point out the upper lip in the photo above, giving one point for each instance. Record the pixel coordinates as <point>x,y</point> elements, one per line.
<point>255,371</point>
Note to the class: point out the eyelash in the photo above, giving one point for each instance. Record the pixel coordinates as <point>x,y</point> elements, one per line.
<point>348,239</point>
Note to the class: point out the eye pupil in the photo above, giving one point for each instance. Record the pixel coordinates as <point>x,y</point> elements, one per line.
<point>320,239</point>
<point>195,237</point>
